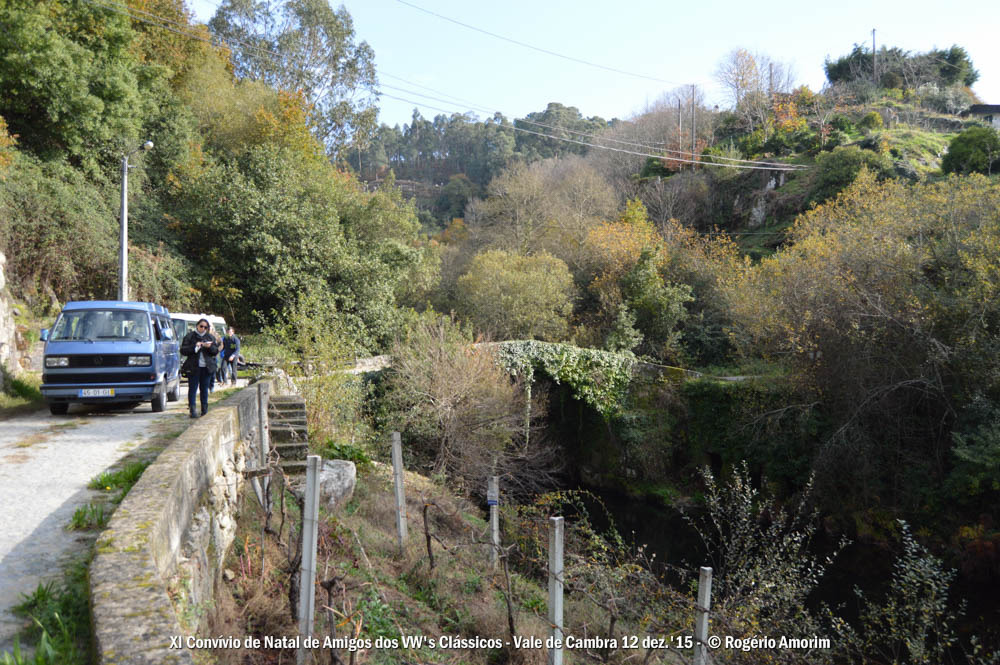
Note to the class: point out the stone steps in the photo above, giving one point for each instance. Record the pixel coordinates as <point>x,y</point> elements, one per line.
<point>291,451</point>
<point>289,432</point>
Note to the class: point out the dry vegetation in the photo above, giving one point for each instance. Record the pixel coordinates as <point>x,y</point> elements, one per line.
<point>372,589</point>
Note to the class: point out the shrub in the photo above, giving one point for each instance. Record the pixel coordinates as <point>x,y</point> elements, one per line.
<point>872,120</point>
<point>976,150</point>
<point>461,413</point>
<point>516,297</point>
<point>838,169</point>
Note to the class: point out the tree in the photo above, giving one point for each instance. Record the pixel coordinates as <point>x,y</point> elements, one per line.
<point>976,150</point>
<point>560,121</point>
<point>838,169</point>
<point>511,296</point>
<point>461,412</point>
<point>291,225</point>
<point>940,67</point>
<point>304,45</point>
<point>70,81</point>
<point>751,80</point>
<point>545,206</point>
<point>885,306</point>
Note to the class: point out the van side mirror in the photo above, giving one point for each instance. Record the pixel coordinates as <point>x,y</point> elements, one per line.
<point>44,336</point>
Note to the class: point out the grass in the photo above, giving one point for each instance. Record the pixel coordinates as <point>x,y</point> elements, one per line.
<point>377,591</point>
<point>123,479</point>
<point>60,616</point>
<point>94,515</point>
<point>23,396</point>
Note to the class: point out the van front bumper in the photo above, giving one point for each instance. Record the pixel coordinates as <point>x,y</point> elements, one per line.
<point>60,387</point>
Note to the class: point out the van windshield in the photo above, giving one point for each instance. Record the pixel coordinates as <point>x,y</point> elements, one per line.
<point>101,324</point>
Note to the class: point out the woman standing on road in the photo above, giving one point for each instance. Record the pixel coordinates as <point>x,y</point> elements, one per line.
<point>200,348</point>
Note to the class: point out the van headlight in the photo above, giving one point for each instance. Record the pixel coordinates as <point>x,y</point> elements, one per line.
<point>139,361</point>
<point>56,361</point>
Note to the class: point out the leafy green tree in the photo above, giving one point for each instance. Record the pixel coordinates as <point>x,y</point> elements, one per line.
<point>976,150</point>
<point>938,66</point>
<point>658,306</point>
<point>269,226</point>
<point>512,296</point>
<point>454,197</point>
<point>560,121</point>
<point>837,169</point>
<point>70,80</point>
<point>305,45</point>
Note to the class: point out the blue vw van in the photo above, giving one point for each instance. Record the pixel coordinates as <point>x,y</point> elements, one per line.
<point>108,351</point>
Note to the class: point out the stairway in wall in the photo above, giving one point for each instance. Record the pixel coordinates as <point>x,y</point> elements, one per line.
<point>289,435</point>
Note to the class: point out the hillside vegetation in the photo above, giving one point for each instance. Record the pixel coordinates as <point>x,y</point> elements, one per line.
<point>848,276</point>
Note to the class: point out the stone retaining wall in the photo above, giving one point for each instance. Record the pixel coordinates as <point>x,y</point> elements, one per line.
<point>170,535</point>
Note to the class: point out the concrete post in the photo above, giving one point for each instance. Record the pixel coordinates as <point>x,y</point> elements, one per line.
<point>701,621</point>
<point>123,236</point>
<point>264,451</point>
<point>493,499</point>
<point>307,572</point>
<point>556,529</point>
<point>397,475</point>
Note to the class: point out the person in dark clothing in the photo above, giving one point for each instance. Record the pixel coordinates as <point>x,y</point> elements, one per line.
<point>200,348</point>
<point>230,354</point>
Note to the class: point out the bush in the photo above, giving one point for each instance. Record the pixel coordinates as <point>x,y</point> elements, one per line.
<point>976,150</point>
<point>838,169</point>
<point>842,123</point>
<point>461,413</point>
<point>517,297</point>
<point>872,120</point>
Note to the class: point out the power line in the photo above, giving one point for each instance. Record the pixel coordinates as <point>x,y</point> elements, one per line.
<point>538,48</point>
<point>111,5</point>
<point>579,133</point>
<point>653,146</point>
<point>604,147</point>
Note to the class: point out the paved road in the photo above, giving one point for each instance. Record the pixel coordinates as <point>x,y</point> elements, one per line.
<point>45,464</point>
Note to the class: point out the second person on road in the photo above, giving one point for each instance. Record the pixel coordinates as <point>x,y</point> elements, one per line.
<point>200,348</point>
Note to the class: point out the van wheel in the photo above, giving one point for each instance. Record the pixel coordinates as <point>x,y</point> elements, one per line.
<point>160,401</point>
<point>59,408</point>
<point>172,395</point>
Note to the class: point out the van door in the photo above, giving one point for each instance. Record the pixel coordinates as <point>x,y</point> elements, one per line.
<point>171,347</point>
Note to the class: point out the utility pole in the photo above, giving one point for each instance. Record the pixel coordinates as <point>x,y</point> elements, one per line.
<point>874,60</point>
<point>680,114</point>
<point>693,130</point>
<point>123,231</point>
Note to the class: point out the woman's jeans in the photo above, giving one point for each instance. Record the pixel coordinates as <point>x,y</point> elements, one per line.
<point>200,378</point>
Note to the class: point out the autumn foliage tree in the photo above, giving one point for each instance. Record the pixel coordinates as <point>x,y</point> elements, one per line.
<point>885,303</point>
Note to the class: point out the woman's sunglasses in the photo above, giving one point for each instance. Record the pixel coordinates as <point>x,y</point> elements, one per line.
<point>202,327</point>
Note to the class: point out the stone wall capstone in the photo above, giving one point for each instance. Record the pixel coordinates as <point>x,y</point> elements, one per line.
<point>163,549</point>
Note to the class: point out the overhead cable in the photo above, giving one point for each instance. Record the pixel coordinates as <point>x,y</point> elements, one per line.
<point>538,48</point>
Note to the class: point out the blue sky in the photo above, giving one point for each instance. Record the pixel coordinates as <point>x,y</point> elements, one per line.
<point>676,42</point>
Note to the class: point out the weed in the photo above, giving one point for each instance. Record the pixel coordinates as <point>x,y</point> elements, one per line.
<point>122,479</point>
<point>473,583</point>
<point>91,516</point>
<point>378,617</point>
<point>346,451</point>
<point>61,617</point>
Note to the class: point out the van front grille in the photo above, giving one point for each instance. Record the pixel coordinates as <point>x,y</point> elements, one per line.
<point>108,377</point>
<point>99,360</point>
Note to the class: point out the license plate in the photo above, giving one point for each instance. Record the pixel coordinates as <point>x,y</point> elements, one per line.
<point>97,392</point>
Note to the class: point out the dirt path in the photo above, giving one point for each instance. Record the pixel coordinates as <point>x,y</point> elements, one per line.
<point>45,464</point>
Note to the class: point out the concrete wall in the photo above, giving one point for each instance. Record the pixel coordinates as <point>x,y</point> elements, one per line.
<point>170,535</point>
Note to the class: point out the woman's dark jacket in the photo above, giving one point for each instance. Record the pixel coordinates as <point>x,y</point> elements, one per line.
<point>208,352</point>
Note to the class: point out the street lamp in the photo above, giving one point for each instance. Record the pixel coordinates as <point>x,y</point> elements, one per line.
<point>123,235</point>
